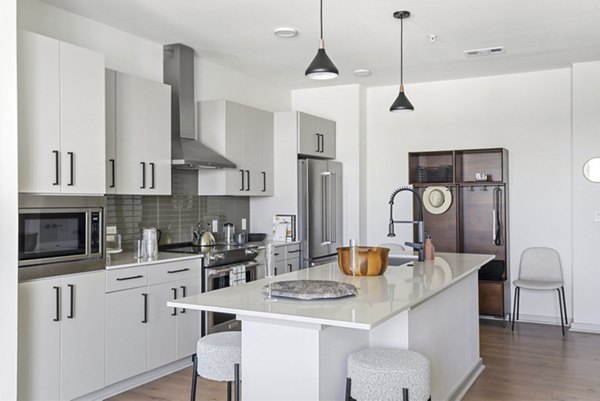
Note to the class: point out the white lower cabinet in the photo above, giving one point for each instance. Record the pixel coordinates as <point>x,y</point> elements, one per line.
<point>287,259</point>
<point>61,337</point>
<point>142,332</point>
<point>126,338</point>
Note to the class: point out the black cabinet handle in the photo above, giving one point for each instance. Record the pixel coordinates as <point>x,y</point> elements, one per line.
<point>152,175</point>
<point>243,186</point>
<point>71,301</point>
<point>57,301</point>
<point>145,298</point>
<point>318,150</point>
<point>174,298</point>
<point>276,254</point>
<point>71,157</point>
<point>129,278</point>
<point>143,175</point>
<point>178,271</point>
<point>290,267</point>
<point>322,141</point>
<point>183,292</point>
<point>296,251</point>
<point>112,172</point>
<point>275,270</point>
<point>264,174</point>
<point>248,180</point>
<point>56,154</point>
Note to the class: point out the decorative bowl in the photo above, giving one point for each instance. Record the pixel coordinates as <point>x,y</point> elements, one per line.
<point>372,260</point>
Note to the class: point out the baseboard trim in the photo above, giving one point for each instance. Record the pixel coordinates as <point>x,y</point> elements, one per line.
<point>586,328</point>
<point>461,388</point>
<point>128,384</point>
<point>539,319</point>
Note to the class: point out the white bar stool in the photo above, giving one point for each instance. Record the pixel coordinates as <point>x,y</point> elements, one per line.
<point>384,374</point>
<point>218,357</point>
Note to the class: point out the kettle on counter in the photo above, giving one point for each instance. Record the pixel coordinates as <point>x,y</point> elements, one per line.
<point>202,237</point>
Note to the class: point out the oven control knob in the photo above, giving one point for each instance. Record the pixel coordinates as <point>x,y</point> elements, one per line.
<point>217,256</point>
<point>251,252</point>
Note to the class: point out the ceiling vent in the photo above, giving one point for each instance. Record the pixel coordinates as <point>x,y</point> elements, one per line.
<point>484,52</point>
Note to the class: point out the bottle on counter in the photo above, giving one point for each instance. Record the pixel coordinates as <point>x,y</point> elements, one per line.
<point>429,248</point>
<point>353,257</point>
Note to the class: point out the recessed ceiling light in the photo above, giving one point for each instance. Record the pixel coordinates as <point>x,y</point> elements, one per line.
<point>285,32</point>
<point>362,72</point>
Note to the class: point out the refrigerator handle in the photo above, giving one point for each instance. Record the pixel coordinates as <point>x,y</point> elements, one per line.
<point>325,207</point>
<point>332,209</point>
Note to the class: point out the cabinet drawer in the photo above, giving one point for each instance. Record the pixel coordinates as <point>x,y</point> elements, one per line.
<point>280,253</point>
<point>292,251</point>
<point>491,298</point>
<point>171,271</point>
<point>122,279</point>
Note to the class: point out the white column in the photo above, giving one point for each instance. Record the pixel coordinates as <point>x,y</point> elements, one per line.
<point>8,200</point>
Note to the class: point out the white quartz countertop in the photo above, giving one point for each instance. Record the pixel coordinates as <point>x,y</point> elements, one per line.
<point>378,299</point>
<point>126,259</point>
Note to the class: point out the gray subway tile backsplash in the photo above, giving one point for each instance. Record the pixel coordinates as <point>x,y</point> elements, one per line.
<point>174,215</point>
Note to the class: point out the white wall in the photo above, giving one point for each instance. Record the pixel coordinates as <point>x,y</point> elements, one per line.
<point>528,114</point>
<point>586,196</point>
<point>341,104</point>
<point>8,200</point>
<point>123,51</point>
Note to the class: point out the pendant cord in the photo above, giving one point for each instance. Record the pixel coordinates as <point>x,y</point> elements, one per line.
<point>321,19</point>
<point>401,52</point>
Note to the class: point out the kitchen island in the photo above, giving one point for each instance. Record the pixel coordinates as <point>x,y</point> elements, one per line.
<point>297,350</point>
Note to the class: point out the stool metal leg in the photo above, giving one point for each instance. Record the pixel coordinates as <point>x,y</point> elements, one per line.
<point>514,308</point>
<point>348,387</point>
<point>236,383</point>
<point>560,306</point>
<point>404,394</point>
<point>228,391</point>
<point>565,305</point>
<point>194,375</point>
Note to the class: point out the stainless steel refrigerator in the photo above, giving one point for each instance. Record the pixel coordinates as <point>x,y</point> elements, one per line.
<point>319,210</point>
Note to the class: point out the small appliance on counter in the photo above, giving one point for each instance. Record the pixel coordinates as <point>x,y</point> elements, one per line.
<point>151,238</point>
<point>228,233</point>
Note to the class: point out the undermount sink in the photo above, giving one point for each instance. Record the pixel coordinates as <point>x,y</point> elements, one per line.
<point>397,260</point>
<point>399,255</point>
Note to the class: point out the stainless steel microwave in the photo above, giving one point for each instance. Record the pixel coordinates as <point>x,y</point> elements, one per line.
<point>60,235</point>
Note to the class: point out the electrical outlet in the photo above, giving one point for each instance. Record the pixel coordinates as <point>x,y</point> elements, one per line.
<point>111,230</point>
<point>215,226</point>
<point>243,224</point>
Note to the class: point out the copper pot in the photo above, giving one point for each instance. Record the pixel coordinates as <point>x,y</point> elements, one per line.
<point>372,260</point>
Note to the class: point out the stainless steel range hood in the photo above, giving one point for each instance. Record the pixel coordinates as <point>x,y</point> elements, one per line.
<point>186,151</point>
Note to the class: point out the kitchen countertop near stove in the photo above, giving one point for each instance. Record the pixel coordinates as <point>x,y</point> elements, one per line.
<point>126,259</point>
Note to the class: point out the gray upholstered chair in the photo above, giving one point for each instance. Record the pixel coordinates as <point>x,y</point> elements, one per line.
<point>218,358</point>
<point>540,270</point>
<point>384,374</point>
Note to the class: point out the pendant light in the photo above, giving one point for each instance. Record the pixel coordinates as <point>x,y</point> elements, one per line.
<point>401,103</point>
<point>321,67</point>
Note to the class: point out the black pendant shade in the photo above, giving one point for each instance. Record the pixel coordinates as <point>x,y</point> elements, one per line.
<point>401,103</point>
<point>321,67</point>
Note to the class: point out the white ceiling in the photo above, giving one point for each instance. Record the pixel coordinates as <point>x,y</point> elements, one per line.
<point>238,34</point>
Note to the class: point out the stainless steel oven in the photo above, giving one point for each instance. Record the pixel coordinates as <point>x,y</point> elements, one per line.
<point>221,277</point>
<point>60,235</point>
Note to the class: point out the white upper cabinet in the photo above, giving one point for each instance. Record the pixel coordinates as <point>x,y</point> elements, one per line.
<point>138,121</point>
<point>316,136</point>
<point>61,117</point>
<point>244,135</point>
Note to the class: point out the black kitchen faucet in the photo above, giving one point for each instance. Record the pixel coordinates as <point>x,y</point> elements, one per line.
<point>418,246</point>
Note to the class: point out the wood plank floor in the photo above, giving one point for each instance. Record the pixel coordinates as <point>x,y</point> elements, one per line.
<point>535,363</point>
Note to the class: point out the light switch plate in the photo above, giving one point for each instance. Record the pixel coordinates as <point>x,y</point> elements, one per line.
<point>215,226</point>
<point>243,224</point>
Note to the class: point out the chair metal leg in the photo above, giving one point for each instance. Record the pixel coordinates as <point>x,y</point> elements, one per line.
<point>228,391</point>
<point>194,375</point>
<point>514,309</point>
<point>565,305</point>
<point>560,306</point>
<point>518,302</point>
<point>236,383</point>
<point>348,386</point>
<point>404,394</point>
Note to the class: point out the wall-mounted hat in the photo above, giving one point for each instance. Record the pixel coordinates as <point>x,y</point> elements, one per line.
<point>437,199</point>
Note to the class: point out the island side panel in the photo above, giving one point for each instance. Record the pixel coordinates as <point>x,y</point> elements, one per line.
<point>445,329</point>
